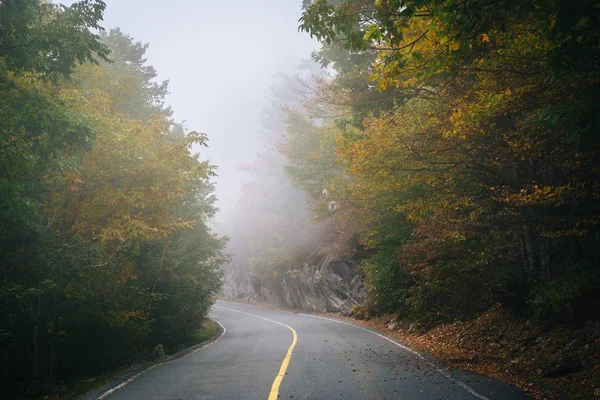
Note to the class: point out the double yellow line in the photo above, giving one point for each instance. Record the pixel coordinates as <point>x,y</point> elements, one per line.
<point>286,361</point>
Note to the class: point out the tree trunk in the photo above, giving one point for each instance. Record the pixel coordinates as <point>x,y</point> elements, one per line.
<point>523,273</point>
<point>544,250</point>
<point>531,247</point>
<point>53,365</point>
<point>37,342</point>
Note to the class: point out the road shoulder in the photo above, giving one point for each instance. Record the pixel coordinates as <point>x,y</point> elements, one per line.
<point>128,374</point>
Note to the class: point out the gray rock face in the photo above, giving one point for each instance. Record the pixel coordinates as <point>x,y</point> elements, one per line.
<point>266,295</point>
<point>238,285</point>
<point>321,285</point>
<point>324,285</point>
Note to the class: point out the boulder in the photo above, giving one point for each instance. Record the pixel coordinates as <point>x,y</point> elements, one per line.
<point>159,352</point>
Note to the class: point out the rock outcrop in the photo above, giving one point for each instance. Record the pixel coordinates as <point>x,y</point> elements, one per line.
<point>324,285</point>
<point>321,285</point>
<point>238,285</point>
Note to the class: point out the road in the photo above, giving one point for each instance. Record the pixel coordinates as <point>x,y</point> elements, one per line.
<point>269,354</point>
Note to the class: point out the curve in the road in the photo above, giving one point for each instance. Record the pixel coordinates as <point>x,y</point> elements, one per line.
<point>286,361</point>
<point>331,361</point>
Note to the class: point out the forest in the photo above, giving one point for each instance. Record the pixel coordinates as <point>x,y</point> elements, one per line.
<point>459,140</point>
<point>450,148</point>
<point>104,239</point>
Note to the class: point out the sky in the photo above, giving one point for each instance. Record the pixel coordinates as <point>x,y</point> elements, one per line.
<point>221,59</point>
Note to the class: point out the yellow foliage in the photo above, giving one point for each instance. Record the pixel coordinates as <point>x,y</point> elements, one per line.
<point>127,187</point>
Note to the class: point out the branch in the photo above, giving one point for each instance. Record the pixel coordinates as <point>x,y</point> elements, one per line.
<point>411,44</point>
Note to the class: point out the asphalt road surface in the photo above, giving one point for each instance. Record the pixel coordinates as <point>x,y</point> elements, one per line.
<point>268,354</point>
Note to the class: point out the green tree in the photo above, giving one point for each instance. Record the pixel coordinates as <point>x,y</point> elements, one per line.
<point>105,244</point>
<point>50,39</point>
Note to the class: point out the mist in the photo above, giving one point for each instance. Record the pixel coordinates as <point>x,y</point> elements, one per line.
<point>237,72</point>
<point>222,61</point>
<point>174,175</point>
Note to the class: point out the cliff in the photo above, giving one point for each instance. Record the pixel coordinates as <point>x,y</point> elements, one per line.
<point>322,284</point>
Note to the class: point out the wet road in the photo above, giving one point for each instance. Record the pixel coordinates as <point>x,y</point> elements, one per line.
<point>268,354</point>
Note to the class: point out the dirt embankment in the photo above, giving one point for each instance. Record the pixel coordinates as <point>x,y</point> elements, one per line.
<point>538,357</point>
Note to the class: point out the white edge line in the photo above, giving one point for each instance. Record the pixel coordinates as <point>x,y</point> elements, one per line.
<point>416,353</point>
<point>128,381</point>
<point>441,371</point>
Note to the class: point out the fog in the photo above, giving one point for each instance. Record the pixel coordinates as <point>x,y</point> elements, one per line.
<point>221,60</point>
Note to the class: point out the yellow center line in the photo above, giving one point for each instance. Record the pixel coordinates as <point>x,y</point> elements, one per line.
<point>286,361</point>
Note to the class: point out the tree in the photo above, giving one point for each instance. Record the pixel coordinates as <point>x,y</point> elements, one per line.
<point>141,97</point>
<point>50,39</point>
<point>495,176</point>
<point>41,43</point>
<point>105,208</point>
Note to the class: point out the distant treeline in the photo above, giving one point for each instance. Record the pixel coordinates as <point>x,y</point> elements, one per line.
<point>460,140</point>
<point>104,246</point>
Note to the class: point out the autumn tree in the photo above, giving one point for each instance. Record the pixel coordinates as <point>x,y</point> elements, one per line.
<point>494,175</point>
